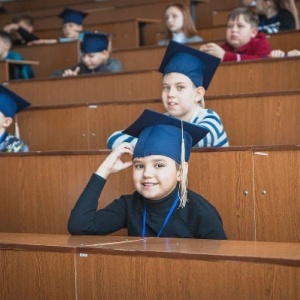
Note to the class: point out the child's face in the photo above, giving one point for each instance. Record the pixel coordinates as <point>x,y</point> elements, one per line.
<point>71,30</point>
<point>261,7</point>
<point>25,26</point>
<point>4,48</point>
<point>179,96</point>
<point>239,32</point>
<point>155,176</point>
<point>174,19</point>
<point>94,60</point>
<point>5,122</point>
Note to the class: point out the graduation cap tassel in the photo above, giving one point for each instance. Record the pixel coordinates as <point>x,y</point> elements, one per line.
<point>183,172</point>
<point>17,130</point>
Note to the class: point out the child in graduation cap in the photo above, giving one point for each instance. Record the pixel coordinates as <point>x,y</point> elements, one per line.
<point>95,57</point>
<point>72,28</point>
<point>161,206</point>
<point>187,73</point>
<point>10,104</point>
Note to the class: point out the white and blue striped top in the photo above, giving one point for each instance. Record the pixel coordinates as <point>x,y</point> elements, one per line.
<point>207,118</point>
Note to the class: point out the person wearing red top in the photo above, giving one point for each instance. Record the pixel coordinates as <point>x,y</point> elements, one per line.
<point>243,41</point>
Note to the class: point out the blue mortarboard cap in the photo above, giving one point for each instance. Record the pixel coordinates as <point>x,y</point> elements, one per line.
<point>94,42</point>
<point>11,103</point>
<point>199,66</point>
<point>72,16</point>
<point>160,134</point>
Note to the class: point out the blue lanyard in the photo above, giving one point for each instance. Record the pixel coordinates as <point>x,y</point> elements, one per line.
<point>166,219</point>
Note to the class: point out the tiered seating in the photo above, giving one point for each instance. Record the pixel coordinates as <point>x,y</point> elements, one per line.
<point>254,185</point>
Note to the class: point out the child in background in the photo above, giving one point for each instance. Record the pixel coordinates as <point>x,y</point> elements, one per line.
<point>21,30</point>
<point>95,57</point>
<point>243,41</point>
<point>10,104</point>
<point>180,25</point>
<point>274,15</point>
<point>161,206</point>
<point>17,71</point>
<point>72,28</point>
<point>187,73</point>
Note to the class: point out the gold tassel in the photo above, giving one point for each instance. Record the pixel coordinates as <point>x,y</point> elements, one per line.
<point>183,172</point>
<point>17,131</point>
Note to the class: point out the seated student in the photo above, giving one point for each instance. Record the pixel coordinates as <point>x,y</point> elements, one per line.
<point>72,28</point>
<point>18,71</point>
<point>161,206</point>
<point>180,25</point>
<point>187,73</point>
<point>10,104</point>
<point>243,41</point>
<point>95,52</point>
<point>274,17</point>
<point>21,30</point>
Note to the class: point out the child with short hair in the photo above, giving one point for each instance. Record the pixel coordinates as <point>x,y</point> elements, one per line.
<point>187,73</point>
<point>21,30</point>
<point>18,71</point>
<point>243,41</point>
<point>72,27</point>
<point>95,57</point>
<point>161,206</point>
<point>10,104</point>
<point>180,25</point>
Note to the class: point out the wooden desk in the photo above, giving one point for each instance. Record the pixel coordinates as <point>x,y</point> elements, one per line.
<point>85,267</point>
<point>257,195</point>
<point>7,66</point>
<point>51,57</point>
<point>262,119</point>
<point>151,56</point>
<point>126,33</point>
<point>230,78</point>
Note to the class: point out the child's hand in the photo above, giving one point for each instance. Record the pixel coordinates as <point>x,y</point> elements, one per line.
<point>70,72</point>
<point>213,49</point>
<point>113,162</point>
<point>277,53</point>
<point>294,52</point>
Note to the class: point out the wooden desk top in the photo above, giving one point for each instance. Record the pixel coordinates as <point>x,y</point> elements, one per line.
<point>212,250</point>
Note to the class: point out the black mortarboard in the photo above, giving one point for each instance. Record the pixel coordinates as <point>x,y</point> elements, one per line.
<point>94,42</point>
<point>199,66</point>
<point>160,134</point>
<point>72,16</point>
<point>11,103</point>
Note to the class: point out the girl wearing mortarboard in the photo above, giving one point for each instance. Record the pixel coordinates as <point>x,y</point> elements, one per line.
<point>161,206</point>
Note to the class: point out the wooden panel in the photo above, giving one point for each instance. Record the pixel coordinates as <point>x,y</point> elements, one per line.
<point>266,119</point>
<point>37,275</point>
<point>51,57</point>
<point>277,188</point>
<point>123,86</point>
<point>4,71</point>
<point>126,33</point>
<point>232,197</point>
<point>152,268</point>
<point>144,277</point>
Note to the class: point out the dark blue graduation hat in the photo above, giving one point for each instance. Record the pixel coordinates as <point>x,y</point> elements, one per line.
<point>199,66</point>
<point>160,134</point>
<point>11,103</point>
<point>72,16</point>
<point>94,42</point>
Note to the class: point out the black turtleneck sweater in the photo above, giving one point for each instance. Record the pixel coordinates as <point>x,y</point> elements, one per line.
<point>198,219</point>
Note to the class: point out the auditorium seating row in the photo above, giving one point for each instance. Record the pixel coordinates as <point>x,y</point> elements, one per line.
<point>261,119</point>
<point>255,189</point>
<point>62,267</point>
